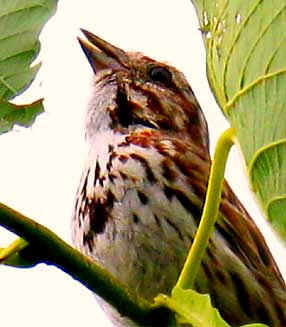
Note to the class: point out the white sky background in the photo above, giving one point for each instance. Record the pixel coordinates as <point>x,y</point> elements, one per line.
<point>41,166</point>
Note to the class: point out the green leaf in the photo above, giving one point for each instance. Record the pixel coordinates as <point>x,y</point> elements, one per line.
<point>194,309</point>
<point>246,58</point>
<point>24,115</point>
<point>20,24</point>
<point>189,306</point>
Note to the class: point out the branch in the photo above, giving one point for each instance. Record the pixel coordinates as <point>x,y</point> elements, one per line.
<point>47,247</point>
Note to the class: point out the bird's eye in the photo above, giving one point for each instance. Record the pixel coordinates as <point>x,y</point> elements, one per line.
<point>160,74</point>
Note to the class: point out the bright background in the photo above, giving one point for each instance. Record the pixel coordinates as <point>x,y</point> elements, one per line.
<point>41,166</point>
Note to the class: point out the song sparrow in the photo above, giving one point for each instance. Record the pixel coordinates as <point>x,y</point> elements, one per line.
<point>142,190</point>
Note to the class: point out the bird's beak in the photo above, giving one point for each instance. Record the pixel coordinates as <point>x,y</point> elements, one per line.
<point>101,54</point>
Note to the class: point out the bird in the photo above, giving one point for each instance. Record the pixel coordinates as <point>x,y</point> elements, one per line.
<point>142,191</point>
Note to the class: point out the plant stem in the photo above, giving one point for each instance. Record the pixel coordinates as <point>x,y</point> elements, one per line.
<point>47,247</point>
<point>16,246</point>
<point>210,211</point>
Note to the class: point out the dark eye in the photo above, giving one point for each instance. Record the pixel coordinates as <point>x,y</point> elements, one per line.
<point>160,74</point>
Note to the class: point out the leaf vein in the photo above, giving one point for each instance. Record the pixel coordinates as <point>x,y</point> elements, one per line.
<point>258,39</point>
<point>7,85</point>
<point>17,10</point>
<point>251,86</point>
<point>232,45</point>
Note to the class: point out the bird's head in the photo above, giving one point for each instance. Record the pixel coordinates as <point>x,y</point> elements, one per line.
<point>133,91</point>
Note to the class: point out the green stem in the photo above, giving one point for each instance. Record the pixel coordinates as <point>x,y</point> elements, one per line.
<point>47,247</point>
<point>209,215</point>
<point>16,246</point>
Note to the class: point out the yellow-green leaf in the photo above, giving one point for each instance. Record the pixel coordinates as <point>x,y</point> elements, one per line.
<point>194,309</point>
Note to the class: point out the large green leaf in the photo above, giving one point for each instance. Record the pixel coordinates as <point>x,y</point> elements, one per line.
<point>20,24</point>
<point>246,58</point>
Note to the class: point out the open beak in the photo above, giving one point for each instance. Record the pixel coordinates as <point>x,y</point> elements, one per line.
<point>101,54</point>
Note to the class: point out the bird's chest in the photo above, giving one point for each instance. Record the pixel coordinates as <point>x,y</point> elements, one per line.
<point>124,217</point>
<point>117,180</point>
